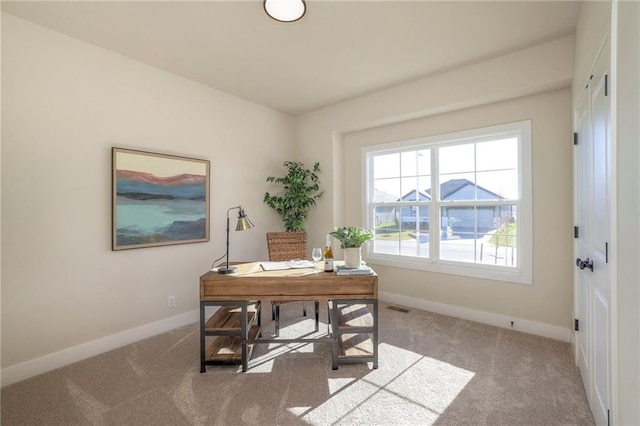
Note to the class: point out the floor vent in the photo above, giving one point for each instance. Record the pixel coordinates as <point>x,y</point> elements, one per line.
<point>395,308</point>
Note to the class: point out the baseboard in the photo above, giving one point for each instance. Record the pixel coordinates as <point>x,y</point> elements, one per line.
<point>503,321</point>
<point>68,356</point>
<point>25,370</point>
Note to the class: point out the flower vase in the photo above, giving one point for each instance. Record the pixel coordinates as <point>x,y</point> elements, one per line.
<point>352,257</point>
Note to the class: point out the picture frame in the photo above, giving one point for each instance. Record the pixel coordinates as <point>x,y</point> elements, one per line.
<point>158,199</point>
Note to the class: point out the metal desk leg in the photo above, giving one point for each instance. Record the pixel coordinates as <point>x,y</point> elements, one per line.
<point>375,333</point>
<point>203,368</point>
<point>259,314</point>
<point>333,314</point>
<point>245,337</point>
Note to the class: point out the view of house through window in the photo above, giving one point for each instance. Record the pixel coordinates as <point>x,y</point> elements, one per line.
<point>448,200</point>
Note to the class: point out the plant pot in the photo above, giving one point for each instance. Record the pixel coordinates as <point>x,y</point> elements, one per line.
<point>352,257</point>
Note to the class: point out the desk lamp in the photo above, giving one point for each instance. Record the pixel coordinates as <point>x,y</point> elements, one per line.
<point>243,224</point>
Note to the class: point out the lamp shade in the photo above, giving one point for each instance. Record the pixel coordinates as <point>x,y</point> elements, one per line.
<point>285,10</point>
<point>243,222</point>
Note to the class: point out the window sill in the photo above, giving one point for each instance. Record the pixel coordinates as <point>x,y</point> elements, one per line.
<point>511,275</point>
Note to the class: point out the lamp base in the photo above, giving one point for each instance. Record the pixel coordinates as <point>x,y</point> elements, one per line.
<point>229,270</point>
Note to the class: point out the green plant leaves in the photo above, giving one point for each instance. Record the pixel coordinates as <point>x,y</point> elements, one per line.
<point>351,236</point>
<point>301,188</point>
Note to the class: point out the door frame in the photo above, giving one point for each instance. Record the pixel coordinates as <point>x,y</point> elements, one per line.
<point>609,42</point>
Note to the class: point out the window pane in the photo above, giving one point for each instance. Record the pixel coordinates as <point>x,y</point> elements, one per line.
<point>416,189</point>
<point>414,231</point>
<point>456,159</point>
<point>424,162</point>
<point>409,163</point>
<point>416,245</point>
<point>410,190</point>
<point>386,231</point>
<point>386,245</point>
<point>497,155</point>
<point>497,185</point>
<point>481,234</point>
<point>498,246</point>
<point>480,188</point>
<point>456,187</point>
<point>385,166</point>
<point>385,218</point>
<point>403,233</point>
<point>386,190</point>
<point>424,183</point>
<point>414,218</point>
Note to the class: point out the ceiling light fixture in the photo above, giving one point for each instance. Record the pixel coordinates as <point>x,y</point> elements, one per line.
<point>285,10</point>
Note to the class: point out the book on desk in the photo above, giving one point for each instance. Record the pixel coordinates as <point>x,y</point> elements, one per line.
<point>361,270</point>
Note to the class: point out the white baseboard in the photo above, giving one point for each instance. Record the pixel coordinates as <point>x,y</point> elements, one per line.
<point>497,320</point>
<point>64,357</point>
<point>68,356</point>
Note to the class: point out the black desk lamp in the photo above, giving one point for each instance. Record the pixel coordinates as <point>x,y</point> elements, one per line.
<point>243,224</point>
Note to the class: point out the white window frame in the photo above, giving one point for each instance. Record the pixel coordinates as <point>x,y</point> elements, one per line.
<point>523,272</point>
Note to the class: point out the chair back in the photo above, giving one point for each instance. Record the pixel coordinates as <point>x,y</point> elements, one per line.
<point>287,245</point>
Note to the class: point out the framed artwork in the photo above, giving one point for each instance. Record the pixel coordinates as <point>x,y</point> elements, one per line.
<point>158,199</point>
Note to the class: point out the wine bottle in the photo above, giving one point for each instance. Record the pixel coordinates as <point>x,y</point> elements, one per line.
<point>328,256</point>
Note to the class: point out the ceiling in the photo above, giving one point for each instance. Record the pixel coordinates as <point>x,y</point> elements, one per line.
<point>338,51</point>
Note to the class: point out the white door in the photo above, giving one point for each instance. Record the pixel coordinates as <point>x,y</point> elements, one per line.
<point>593,217</point>
<point>582,294</point>
<point>600,237</point>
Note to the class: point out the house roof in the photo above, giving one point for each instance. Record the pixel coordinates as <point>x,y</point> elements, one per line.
<point>450,187</point>
<point>422,196</point>
<point>384,197</point>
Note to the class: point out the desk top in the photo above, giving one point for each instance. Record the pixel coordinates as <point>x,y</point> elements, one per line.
<point>252,283</point>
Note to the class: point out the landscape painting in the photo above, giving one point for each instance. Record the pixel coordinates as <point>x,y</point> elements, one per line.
<point>158,199</point>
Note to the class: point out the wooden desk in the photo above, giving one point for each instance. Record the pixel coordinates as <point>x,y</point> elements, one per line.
<point>251,283</point>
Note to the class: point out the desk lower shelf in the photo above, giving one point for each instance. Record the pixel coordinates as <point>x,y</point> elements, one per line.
<point>354,329</point>
<point>224,331</point>
<point>355,346</point>
<point>228,349</point>
<point>229,319</point>
<point>228,336</point>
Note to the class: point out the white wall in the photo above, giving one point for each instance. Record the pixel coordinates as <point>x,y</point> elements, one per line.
<point>627,140</point>
<point>594,22</point>
<point>487,93</point>
<point>548,300</point>
<point>622,30</point>
<point>65,103</point>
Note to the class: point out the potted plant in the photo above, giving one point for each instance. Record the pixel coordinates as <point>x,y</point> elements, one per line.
<point>351,240</point>
<point>301,190</point>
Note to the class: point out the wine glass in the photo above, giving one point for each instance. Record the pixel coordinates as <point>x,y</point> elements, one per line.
<point>316,254</point>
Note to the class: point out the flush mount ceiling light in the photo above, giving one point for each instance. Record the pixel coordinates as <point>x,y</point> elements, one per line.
<point>285,10</point>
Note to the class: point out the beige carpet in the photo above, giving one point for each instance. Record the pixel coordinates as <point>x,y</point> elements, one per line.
<point>433,370</point>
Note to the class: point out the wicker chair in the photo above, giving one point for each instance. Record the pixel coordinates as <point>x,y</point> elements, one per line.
<point>287,246</point>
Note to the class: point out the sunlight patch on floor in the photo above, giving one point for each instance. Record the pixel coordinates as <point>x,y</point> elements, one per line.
<point>302,329</point>
<point>412,388</point>
<point>264,363</point>
<point>336,384</point>
<point>299,411</point>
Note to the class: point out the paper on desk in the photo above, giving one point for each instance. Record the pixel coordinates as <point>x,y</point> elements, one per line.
<point>289,264</point>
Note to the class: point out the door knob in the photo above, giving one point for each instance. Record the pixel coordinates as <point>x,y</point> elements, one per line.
<point>587,263</point>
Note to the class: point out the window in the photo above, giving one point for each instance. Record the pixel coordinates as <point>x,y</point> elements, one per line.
<point>458,203</point>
